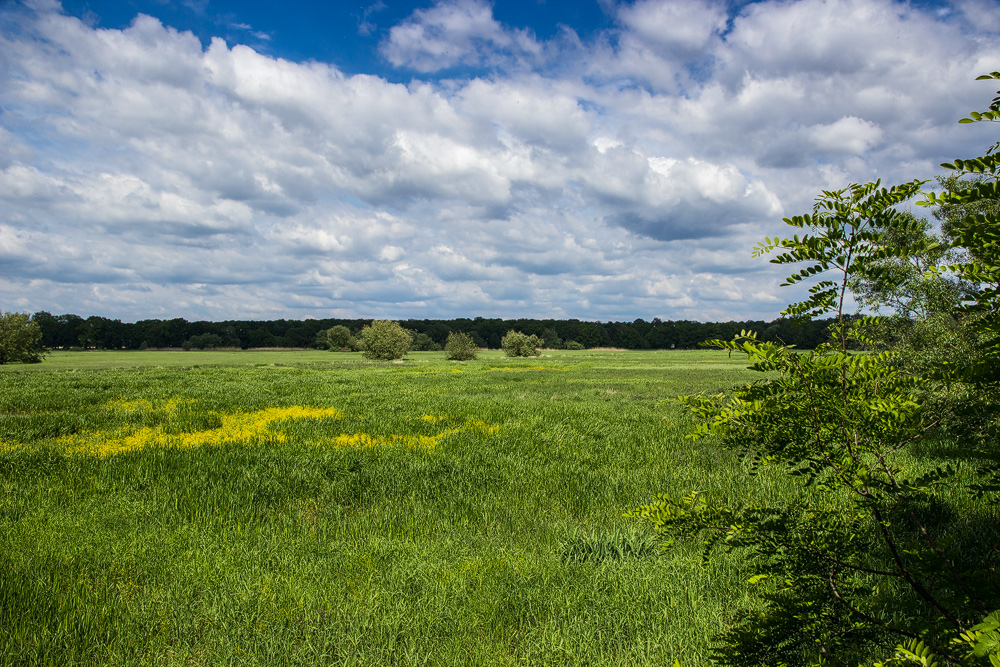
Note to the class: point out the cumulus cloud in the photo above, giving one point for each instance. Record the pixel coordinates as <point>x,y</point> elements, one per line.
<point>675,28</point>
<point>455,32</point>
<point>849,135</point>
<point>143,173</point>
<point>670,198</point>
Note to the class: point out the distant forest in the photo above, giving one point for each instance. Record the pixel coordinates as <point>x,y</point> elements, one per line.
<point>95,332</point>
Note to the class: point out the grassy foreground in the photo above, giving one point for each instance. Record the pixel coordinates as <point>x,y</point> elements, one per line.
<point>288,508</point>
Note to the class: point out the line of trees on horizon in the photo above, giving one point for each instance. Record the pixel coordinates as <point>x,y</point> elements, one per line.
<point>96,332</point>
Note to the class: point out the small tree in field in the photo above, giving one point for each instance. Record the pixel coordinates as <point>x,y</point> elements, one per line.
<point>20,339</point>
<point>460,347</point>
<point>385,340</point>
<point>517,344</point>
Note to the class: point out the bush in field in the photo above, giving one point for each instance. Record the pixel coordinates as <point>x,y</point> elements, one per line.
<point>20,339</point>
<point>517,344</point>
<point>573,345</point>
<point>460,347</point>
<point>386,340</point>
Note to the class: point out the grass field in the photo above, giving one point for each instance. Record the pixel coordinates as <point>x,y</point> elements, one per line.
<point>289,508</point>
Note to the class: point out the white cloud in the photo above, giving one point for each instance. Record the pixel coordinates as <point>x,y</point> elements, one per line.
<point>142,174</point>
<point>455,32</point>
<point>849,135</point>
<point>675,28</point>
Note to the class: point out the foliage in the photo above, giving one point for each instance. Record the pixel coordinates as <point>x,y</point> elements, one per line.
<point>335,338</point>
<point>206,341</point>
<point>972,214</point>
<point>979,645</point>
<point>66,331</point>
<point>517,344</point>
<point>551,339</point>
<point>386,340</point>
<point>283,545</point>
<point>422,342</point>
<point>863,551</point>
<point>460,347</point>
<point>20,339</point>
<point>905,284</point>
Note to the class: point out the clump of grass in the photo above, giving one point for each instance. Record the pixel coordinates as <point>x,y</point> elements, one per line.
<point>617,544</point>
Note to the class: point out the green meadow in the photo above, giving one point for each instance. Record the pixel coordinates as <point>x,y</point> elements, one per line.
<point>301,508</point>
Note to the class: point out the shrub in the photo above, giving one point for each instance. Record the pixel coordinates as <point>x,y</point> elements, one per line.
<point>460,347</point>
<point>573,345</point>
<point>385,340</point>
<point>517,344</point>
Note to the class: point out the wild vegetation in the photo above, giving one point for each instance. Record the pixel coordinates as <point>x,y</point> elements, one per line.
<point>518,344</point>
<point>877,544</point>
<point>20,339</point>
<point>460,347</point>
<point>350,511</point>
<point>96,332</point>
<point>385,340</point>
<point>225,507</point>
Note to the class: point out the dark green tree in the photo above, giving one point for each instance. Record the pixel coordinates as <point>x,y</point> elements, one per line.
<point>865,553</point>
<point>20,339</point>
<point>205,341</point>
<point>858,557</point>
<point>335,338</point>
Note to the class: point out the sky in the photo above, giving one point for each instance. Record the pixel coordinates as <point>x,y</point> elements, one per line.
<point>591,159</point>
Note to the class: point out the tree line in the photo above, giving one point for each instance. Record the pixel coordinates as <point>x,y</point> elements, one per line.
<point>96,332</point>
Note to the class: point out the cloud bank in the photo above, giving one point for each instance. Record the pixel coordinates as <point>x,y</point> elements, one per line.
<point>146,174</point>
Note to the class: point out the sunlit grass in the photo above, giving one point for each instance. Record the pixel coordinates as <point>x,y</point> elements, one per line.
<point>330,510</point>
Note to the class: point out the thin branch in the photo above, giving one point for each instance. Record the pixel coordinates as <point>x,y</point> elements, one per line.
<point>917,587</point>
<point>857,612</point>
<point>859,568</point>
<point>883,624</point>
<point>947,561</point>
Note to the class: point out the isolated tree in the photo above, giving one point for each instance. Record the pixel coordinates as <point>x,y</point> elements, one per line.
<point>460,347</point>
<point>386,340</point>
<point>517,344</point>
<point>20,339</point>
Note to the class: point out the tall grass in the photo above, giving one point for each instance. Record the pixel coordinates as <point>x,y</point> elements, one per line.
<point>425,512</point>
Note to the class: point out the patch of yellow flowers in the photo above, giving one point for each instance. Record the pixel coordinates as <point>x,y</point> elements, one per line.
<point>236,427</point>
<point>259,427</point>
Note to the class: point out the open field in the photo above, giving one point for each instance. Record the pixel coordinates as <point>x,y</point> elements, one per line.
<point>316,508</point>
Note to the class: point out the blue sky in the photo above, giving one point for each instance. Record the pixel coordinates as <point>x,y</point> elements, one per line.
<point>346,34</point>
<point>598,160</point>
